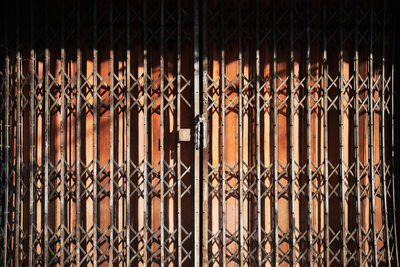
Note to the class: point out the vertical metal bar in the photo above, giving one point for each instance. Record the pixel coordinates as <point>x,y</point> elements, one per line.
<point>78,135</point>
<point>291,140</point>
<point>196,152</point>
<point>240,63</point>
<point>325,133</point>
<point>19,150</point>
<point>393,172</point>
<point>223,135</point>
<point>356,137</point>
<point>7,144</point>
<point>308,141</point>
<point>46,139</point>
<point>32,137</point>
<point>2,143</point>
<point>2,150</point>
<point>145,141</point>
<point>95,137</point>
<point>258,136</point>
<point>207,138</point>
<point>275,132</point>
<point>178,129</point>
<point>341,137</point>
<point>162,178</point>
<point>111,260</point>
<point>382,139</point>
<point>3,128</point>
<point>371,134</point>
<point>196,113</point>
<point>63,140</point>
<point>128,134</point>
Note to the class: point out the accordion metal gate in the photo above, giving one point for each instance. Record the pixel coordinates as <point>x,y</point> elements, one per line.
<point>96,171</point>
<point>298,99</point>
<point>198,133</point>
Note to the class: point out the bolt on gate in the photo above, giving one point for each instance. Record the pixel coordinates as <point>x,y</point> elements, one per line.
<point>204,133</point>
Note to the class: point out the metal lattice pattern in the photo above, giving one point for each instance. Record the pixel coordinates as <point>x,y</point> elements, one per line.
<point>102,154</point>
<point>94,172</point>
<point>298,95</point>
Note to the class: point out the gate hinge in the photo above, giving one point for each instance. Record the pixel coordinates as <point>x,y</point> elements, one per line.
<point>200,131</point>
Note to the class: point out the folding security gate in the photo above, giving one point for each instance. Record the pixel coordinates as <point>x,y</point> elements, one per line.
<point>298,97</point>
<point>99,165</point>
<point>205,133</point>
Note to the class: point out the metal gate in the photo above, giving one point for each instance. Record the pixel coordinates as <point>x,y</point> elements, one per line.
<point>99,163</point>
<point>298,99</point>
<point>205,133</point>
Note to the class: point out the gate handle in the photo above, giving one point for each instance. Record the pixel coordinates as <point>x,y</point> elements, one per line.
<point>200,133</point>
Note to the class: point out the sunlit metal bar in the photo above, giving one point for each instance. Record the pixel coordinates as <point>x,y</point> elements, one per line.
<point>325,137</point>
<point>112,138</point>
<point>258,136</point>
<point>223,135</point>
<point>308,141</point>
<point>178,143</point>
<point>78,134</point>
<point>275,133</point>
<point>95,139</point>
<point>128,133</point>
<point>341,146</point>
<point>240,133</point>
<point>204,198</point>
<point>356,137</point>
<point>63,139</point>
<point>46,139</point>
<point>145,142</point>
<point>292,175</point>
<point>196,95</point>
<point>162,178</point>
<point>32,155</point>
<point>371,133</point>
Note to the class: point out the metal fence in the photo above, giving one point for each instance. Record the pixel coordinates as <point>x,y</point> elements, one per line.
<point>205,133</point>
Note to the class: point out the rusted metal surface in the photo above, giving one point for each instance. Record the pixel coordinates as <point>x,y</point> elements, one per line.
<point>198,133</point>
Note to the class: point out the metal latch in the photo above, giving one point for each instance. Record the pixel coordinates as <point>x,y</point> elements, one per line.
<point>200,131</point>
